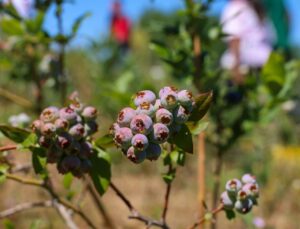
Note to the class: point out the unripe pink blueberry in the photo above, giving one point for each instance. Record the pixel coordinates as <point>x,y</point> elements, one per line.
<point>36,126</point>
<point>136,156</point>
<point>233,186</point>
<point>61,124</point>
<point>89,113</point>
<point>125,116</point>
<point>252,190</point>
<point>113,128</point>
<point>157,105</point>
<point>169,100</point>
<point>153,151</point>
<point>243,207</point>
<point>141,124</point>
<point>160,133</point>
<point>242,195</point>
<point>48,129</point>
<point>181,115</point>
<point>185,97</point>
<point>123,137</point>
<point>145,96</point>
<point>227,201</point>
<point>248,178</point>
<point>140,142</point>
<point>49,114</point>
<point>164,116</point>
<point>77,131</point>
<point>69,114</point>
<point>146,108</point>
<point>76,106</point>
<point>166,90</point>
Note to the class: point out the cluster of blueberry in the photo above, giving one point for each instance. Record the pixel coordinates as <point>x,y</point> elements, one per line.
<point>139,132</point>
<point>240,195</point>
<point>64,133</point>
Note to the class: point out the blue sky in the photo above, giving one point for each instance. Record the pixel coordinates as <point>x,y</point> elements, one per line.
<point>97,25</point>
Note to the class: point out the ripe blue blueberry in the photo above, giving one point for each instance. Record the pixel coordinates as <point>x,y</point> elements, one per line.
<point>140,142</point>
<point>86,165</point>
<point>86,150</point>
<point>49,114</point>
<point>153,151</point>
<point>185,98</point>
<point>70,163</point>
<point>53,154</point>
<point>125,116</point>
<point>136,156</point>
<point>90,128</point>
<point>243,207</point>
<point>164,116</point>
<point>160,133</point>
<point>123,137</point>
<point>141,124</point>
<point>145,96</point>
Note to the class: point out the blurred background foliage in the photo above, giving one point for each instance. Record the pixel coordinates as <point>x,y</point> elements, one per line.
<point>256,123</point>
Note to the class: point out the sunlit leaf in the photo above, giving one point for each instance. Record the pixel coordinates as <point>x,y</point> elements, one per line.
<point>14,133</point>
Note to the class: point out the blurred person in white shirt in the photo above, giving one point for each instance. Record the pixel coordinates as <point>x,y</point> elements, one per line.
<point>249,38</point>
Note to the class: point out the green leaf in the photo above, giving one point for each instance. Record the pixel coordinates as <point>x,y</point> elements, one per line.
<point>105,141</point>
<point>38,161</point>
<point>78,22</point>
<point>230,214</point>
<point>35,25</point>
<point>67,181</point>
<point>197,128</point>
<point>29,141</point>
<point>160,50</point>
<point>170,176</point>
<point>178,157</point>
<point>100,172</point>
<point>36,224</point>
<point>3,170</point>
<point>8,224</point>
<point>11,27</point>
<point>183,140</point>
<point>14,133</point>
<point>202,105</point>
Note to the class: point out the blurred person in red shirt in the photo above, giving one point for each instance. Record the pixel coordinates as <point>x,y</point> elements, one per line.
<point>120,27</point>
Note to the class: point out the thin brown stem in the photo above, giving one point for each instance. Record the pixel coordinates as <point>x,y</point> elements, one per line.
<point>47,186</point>
<point>135,214</point>
<point>8,147</point>
<point>207,216</point>
<point>23,207</point>
<point>167,197</point>
<point>94,194</point>
<point>217,180</point>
